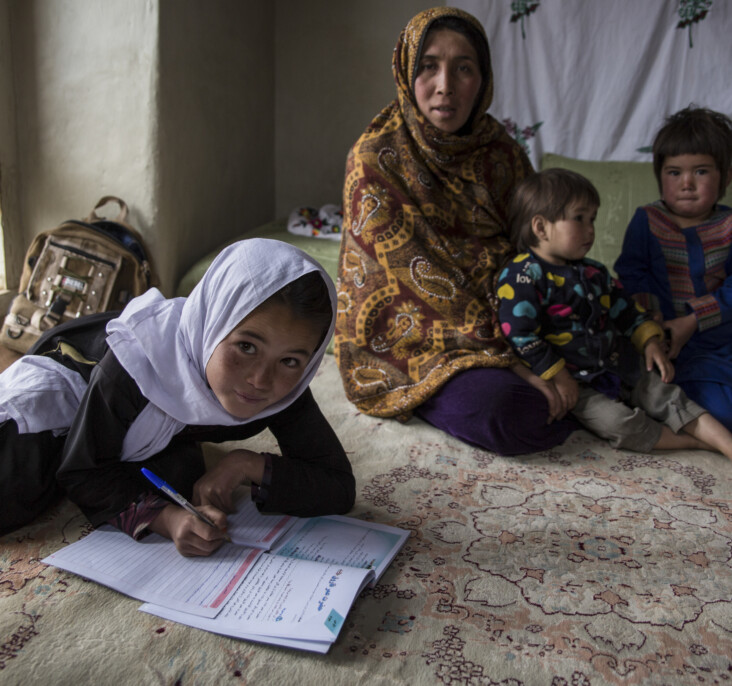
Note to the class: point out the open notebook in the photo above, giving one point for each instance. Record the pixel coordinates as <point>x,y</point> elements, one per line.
<point>283,580</point>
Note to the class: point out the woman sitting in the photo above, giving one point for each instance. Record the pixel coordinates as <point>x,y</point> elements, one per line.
<point>425,206</point>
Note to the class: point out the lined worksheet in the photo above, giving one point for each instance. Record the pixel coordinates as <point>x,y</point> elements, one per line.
<point>248,526</point>
<point>153,570</point>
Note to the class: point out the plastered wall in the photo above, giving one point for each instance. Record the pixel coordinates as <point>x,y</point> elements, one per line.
<point>83,85</point>
<point>9,242</point>
<point>333,77</point>
<point>209,117</point>
<point>215,124</point>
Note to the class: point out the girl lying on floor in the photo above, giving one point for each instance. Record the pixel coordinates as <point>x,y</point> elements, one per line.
<point>98,398</point>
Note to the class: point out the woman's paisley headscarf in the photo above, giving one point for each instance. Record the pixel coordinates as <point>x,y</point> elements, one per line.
<point>424,219</point>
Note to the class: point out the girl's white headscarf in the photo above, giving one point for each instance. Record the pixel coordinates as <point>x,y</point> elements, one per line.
<point>165,344</point>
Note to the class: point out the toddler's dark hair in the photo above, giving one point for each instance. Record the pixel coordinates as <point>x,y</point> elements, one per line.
<point>547,193</point>
<point>307,297</point>
<point>695,131</point>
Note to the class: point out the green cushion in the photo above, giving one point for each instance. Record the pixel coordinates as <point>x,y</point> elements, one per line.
<point>623,187</point>
<point>323,250</point>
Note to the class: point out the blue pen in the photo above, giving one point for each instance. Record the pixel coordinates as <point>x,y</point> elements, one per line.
<point>166,488</point>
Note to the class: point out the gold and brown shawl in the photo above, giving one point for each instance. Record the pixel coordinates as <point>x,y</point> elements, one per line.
<point>424,219</point>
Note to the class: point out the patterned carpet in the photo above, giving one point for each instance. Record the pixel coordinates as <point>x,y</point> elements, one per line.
<point>576,567</point>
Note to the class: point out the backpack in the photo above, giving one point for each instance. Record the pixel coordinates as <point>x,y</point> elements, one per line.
<point>76,269</point>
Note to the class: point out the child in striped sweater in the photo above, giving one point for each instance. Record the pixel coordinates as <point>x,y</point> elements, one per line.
<point>676,259</point>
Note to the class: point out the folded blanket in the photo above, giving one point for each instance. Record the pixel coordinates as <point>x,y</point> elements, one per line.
<point>323,223</point>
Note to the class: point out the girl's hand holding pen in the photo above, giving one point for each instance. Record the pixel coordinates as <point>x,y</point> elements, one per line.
<point>190,534</point>
<point>195,531</point>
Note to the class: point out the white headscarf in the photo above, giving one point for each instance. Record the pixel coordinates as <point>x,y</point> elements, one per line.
<point>40,394</point>
<point>165,345</point>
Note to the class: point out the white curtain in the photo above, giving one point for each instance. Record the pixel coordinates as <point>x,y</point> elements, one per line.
<point>594,79</point>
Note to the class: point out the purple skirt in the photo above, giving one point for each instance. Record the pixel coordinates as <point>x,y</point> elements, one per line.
<point>496,410</point>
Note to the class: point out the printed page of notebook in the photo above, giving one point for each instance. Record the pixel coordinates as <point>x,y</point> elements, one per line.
<point>321,647</point>
<point>283,597</point>
<point>344,540</point>
<point>153,570</point>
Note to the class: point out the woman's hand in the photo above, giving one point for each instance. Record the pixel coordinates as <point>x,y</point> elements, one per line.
<point>217,486</point>
<point>656,355</point>
<point>191,536</point>
<point>557,407</point>
<point>682,329</point>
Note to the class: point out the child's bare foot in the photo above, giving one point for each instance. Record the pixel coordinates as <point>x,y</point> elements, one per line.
<point>680,441</point>
<point>711,434</point>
